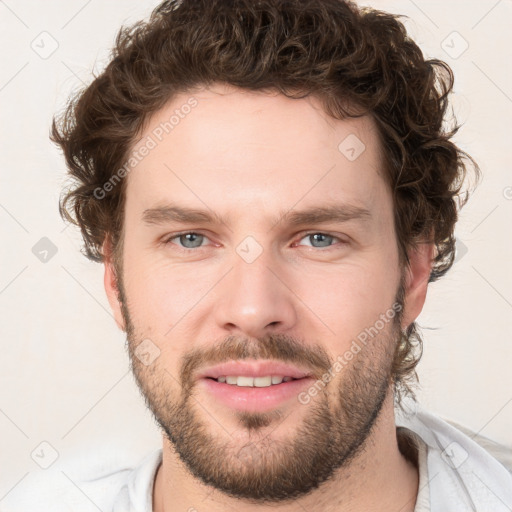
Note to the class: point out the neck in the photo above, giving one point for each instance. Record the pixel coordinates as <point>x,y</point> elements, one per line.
<point>379,478</point>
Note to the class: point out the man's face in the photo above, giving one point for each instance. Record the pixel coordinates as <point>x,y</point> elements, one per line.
<point>262,286</point>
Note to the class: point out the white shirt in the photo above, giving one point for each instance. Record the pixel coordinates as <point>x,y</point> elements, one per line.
<point>455,475</point>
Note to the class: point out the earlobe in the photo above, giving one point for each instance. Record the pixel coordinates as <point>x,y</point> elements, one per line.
<point>416,282</point>
<point>111,286</point>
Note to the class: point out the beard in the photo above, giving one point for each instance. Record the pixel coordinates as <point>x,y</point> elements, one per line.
<point>251,464</point>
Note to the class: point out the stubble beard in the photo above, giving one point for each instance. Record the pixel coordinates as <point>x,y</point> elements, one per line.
<point>249,463</point>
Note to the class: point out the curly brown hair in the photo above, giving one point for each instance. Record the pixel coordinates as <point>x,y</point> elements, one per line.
<point>356,61</point>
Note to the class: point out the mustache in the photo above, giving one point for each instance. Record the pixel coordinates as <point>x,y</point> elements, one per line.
<point>278,347</point>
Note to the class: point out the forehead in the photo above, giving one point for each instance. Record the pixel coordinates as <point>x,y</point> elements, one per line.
<point>229,148</point>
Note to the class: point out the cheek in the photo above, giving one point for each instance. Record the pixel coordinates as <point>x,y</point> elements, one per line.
<point>349,298</point>
<point>161,294</point>
<point>339,299</point>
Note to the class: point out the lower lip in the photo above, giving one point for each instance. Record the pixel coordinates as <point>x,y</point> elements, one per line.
<point>253,399</point>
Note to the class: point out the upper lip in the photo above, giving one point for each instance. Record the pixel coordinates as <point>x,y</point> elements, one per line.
<point>253,369</point>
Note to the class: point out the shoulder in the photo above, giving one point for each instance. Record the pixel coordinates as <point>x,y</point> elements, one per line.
<point>85,482</point>
<point>500,452</point>
<point>462,471</point>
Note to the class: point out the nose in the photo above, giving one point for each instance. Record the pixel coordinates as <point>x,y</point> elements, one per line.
<point>255,298</point>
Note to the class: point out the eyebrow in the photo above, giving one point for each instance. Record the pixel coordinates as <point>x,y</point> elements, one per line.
<point>339,213</point>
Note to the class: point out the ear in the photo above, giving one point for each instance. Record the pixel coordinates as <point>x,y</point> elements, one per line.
<point>110,282</point>
<point>416,282</point>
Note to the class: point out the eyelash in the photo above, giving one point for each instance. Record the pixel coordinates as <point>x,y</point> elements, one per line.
<point>167,240</point>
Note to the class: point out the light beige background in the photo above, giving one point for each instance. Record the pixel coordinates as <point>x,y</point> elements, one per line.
<point>63,370</point>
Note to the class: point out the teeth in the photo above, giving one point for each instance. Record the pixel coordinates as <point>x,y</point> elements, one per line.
<point>258,382</point>
<point>262,382</point>
<point>245,381</point>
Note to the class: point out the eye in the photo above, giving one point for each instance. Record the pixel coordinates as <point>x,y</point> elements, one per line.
<point>322,239</point>
<point>193,240</point>
<point>188,240</point>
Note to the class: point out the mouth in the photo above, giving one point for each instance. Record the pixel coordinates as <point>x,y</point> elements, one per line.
<point>249,382</point>
<point>254,386</point>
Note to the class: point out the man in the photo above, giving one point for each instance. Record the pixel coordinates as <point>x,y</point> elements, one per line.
<point>270,189</point>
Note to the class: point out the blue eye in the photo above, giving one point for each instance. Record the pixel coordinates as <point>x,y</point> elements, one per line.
<point>188,240</point>
<point>191,240</point>
<point>324,239</point>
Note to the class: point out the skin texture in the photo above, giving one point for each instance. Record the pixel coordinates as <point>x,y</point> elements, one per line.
<point>250,157</point>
